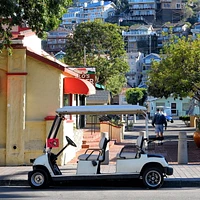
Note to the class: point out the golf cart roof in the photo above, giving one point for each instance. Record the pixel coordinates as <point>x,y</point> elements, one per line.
<point>102,109</point>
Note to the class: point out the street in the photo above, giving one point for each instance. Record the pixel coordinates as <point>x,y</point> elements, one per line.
<point>99,193</point>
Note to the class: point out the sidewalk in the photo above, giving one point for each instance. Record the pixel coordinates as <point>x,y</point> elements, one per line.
<point>187,175</point>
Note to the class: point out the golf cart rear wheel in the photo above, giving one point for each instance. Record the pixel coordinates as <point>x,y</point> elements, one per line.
<point>38,179</point>
<point>152,178</point>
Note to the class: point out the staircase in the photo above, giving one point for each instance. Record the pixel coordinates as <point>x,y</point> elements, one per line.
<point>91,139</point>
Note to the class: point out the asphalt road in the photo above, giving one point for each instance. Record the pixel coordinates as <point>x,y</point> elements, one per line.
<point>106,193</point>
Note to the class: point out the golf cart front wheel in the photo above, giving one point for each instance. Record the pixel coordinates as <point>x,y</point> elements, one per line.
<point>38,179</point>
<point>153,178</point>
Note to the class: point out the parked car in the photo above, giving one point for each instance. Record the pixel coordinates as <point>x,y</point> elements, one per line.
<point>169,118</point>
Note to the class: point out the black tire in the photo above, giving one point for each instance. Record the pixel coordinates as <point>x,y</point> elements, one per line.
<point>38,179</point>
<point>152,178</point>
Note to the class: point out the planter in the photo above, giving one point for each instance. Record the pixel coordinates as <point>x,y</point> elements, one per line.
<point>115,132</point>
<point>193,121</point>
<point>196,137</point>
<point>186,119</point>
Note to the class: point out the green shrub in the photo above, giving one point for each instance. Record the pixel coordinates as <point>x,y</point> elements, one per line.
<point>185,118</point>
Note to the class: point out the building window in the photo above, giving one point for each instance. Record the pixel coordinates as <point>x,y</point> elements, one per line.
<point>148,60</point>
<point>66,100</point>
<point>167,5</point>
<point>160,104</point>
<point>185,106</point>
<point>173,109</point>
<point>178,6</point>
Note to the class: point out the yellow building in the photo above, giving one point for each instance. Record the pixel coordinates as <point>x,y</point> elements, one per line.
<point>32,86</point>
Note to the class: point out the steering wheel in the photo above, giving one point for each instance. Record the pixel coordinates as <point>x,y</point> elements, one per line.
<point>70,141</point>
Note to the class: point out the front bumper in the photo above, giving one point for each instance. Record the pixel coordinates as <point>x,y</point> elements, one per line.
<point>168,170</point>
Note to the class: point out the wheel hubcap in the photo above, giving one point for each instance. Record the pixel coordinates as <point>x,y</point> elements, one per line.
<point>37,179</point>
<point>153,178</point>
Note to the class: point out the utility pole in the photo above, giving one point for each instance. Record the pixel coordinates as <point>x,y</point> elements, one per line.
<point>149,43</point>
<point>119,21</point>
<point>84,52</point>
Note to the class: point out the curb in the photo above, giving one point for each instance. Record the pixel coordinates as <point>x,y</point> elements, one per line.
<point>181,182</point>
<point>168,183</point>
<point>14,183</point>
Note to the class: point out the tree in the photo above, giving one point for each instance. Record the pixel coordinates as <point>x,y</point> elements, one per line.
<point>122,5</point>
<point>38,15</point>
<point>190,10</point>
<point>102,46</point>
<point>144,97</point>
<point>178,73</point>
<point>136,95</point>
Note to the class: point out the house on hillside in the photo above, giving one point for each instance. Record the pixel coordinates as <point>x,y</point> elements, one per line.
<point>135,61</point>
<point>88,11</point>
<point>139,38</point>
<point>142,11</point>
<point>33,85</point>
<point>195,30</point>
<point>56,40</point>
<point>147,62</point>
<point>179,29</point>
<point>169,11</point>
<point>60,55</point>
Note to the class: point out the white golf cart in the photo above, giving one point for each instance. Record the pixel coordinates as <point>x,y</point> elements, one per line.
<point>130,164</point>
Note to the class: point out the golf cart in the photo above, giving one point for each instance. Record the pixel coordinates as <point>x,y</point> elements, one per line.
<point>130,164</point>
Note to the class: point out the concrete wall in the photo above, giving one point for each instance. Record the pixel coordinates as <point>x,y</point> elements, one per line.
<point>34,140</point>
<point>44,90</point>
<point>3,107</point>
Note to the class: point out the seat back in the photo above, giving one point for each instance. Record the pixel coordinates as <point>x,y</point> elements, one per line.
<point>102,145</point>
<point>139,142</point>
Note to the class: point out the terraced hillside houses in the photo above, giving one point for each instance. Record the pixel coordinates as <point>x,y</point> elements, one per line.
<point>88,11</point>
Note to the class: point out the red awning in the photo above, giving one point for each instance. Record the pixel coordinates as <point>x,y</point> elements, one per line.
<point>78,86</point>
